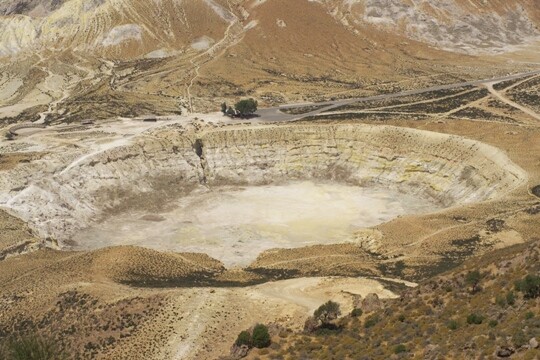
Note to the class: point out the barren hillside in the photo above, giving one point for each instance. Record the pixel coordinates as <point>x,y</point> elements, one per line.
<point>61,59</point>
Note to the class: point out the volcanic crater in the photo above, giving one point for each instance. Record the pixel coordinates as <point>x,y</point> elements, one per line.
<point>235,191</point>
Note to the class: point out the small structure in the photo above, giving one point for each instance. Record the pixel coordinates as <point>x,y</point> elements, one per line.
<point>87,122</point>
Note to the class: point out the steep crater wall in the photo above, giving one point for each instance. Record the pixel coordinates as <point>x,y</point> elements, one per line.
<point>169,162</point>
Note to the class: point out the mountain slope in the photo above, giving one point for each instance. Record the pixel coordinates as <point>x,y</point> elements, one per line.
<point>169,54</point>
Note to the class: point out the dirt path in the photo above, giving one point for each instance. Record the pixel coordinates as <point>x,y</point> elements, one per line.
<point>231,37</point>
<point>275,115</point>
<point>506,100</point>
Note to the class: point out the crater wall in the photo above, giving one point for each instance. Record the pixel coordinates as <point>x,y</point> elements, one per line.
<point>166,163</point>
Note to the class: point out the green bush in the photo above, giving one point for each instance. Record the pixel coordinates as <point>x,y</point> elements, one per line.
<point>519,339</point>
<point>260,338</point>
<point>356,312</point>
<point>244,338</point>
<point>529,286</point>
<point>529,315</point>
<point>510,298</point>
<point>400,349</point>
<point>33,348</point>
<point>493,323</point>
<point>371,321</point>
<point>401,318</point>
<point>475,319</point>
<point>452,325</point>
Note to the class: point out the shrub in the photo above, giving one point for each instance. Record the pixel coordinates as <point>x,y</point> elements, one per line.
<point>529,315</point>
<point>356,312</point>
<point>400,349</point>
<point>260,338</point>
<point>493,323</point>
<point>475,319</point>
<point>519,339</point>
<point>529,286</point>
<point>371,321</point>
<point>452,325</point>
<point>244,338</point>
<point>33,348</point>
<point>501,301</point>
<point>401,318</point>
<point>510,298</point>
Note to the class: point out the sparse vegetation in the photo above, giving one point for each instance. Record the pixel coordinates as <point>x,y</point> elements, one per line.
<point>432,312</point>
<point>31,348</point>
<point>529,286</point>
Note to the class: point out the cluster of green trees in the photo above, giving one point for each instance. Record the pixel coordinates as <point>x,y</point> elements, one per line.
<point>323,318</point>
<point>259,337</point>
<point>243,108</point>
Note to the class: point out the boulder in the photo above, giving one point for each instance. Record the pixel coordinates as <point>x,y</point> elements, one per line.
<point>311,325</point>
<point>533,343</point>
<point>505,352</point>
<point>238,352</point>
<point>371,303</point>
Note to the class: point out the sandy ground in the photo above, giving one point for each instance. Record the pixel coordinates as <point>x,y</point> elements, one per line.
<point>235,225</point>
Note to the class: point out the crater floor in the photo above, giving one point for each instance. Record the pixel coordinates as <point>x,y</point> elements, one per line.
<point>235,224</point>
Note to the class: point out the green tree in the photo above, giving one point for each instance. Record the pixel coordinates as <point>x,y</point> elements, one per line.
<point>473,279</point>
<point>327,312</point>
<point>246,107</point>
<point>244,338</point>
<point>261,337</point>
